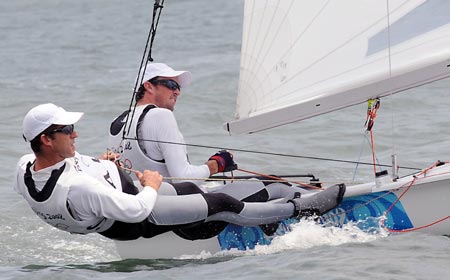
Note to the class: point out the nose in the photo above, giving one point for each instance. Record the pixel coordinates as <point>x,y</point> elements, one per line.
<point>177,92</point>
<point>74,134</point>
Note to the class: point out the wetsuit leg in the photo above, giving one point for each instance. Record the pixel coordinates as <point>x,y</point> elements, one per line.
<point>244,190</point>
<point>179,189</point>
<point>169,210</point>
<point>280,190</point>
<point>186,188</point>
<point>257,213</point>
<point>256,191</point>
<point>192,231</point>
<point>216,207</point>
<point>166,189</point>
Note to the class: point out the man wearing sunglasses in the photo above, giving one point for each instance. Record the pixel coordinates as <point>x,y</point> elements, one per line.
<point>153,141</point>
<point>81,194</point>
<point>160,145</point>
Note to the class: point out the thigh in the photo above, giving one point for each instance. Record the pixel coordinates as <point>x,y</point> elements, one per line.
<point>172,210</point>
<point>242,189</point>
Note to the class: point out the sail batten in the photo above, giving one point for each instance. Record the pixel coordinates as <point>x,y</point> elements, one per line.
<point>313,57</point>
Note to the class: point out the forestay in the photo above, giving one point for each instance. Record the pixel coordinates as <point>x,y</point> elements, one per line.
<point>302,58</point>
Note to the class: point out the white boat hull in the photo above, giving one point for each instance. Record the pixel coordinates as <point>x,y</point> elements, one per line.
<point>423,207</point>
<point>164,246</point>
<point>418,209</point>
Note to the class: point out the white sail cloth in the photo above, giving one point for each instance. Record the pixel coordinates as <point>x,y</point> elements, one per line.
<point>302,58</point>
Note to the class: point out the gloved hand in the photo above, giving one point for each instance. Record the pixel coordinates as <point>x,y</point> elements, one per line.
<point>224,161</point>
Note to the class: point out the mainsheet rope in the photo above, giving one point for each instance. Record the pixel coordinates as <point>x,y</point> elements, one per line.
<point>270,153</point>
<point>272,178</point>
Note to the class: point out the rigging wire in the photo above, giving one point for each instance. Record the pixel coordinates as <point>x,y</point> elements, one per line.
<point>367,138</point>
<point>391,102</point>
<point>146,56</point>
<point>315,184</point>
<point>270,153</point>
<point>359,158</point>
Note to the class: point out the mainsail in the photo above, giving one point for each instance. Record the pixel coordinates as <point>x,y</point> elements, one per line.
<point>302,58</point>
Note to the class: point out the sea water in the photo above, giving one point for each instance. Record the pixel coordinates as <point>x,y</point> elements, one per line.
<point>84,55</point>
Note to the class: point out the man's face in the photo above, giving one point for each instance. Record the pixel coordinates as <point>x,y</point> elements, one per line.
<point>63,142</point>
<point>167,91</point>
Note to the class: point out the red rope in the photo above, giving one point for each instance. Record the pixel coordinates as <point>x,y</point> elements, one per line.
<point>373,154</point>
<point>398,199</point>
<point>418,228</point>
<point>373,106</point>
<point>410,184</point>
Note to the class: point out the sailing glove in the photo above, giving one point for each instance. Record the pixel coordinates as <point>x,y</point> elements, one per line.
<point>224,161</point>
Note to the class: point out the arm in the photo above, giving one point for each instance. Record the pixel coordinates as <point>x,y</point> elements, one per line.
<point>89,198</point>
<point>160,124</point>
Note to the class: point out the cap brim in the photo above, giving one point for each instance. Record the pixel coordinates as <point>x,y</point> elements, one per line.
<point>184,77</point>
<point>68,118</point>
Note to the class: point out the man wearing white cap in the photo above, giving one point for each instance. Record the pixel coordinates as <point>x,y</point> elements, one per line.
<point>81,194</point>
<point>56,168</point>
<point>160,145</point>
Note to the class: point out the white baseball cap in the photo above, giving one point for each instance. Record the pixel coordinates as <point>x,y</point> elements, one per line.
<point>43,116</point>
<point>160,69</point>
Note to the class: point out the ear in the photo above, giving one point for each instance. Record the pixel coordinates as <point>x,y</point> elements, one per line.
<point>46,140</point>
<point>149,86</point>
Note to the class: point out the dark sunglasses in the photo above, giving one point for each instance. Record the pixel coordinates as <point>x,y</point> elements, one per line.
<point>170,84</point>
<point>67,129</point>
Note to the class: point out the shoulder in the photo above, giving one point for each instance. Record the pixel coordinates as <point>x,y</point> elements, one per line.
<point>20,171</point>
<point>160,117</point>
<point>24,160</point>
<point>160,112</point>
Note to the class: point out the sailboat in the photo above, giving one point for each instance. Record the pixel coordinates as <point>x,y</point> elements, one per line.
<point>302,59</point>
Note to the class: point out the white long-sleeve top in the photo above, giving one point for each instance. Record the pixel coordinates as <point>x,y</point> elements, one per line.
<point>89,197</point>
<point>160,124</point>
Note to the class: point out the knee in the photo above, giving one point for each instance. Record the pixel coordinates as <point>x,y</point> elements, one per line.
<point>220,202</point>
<point>186,188</point>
